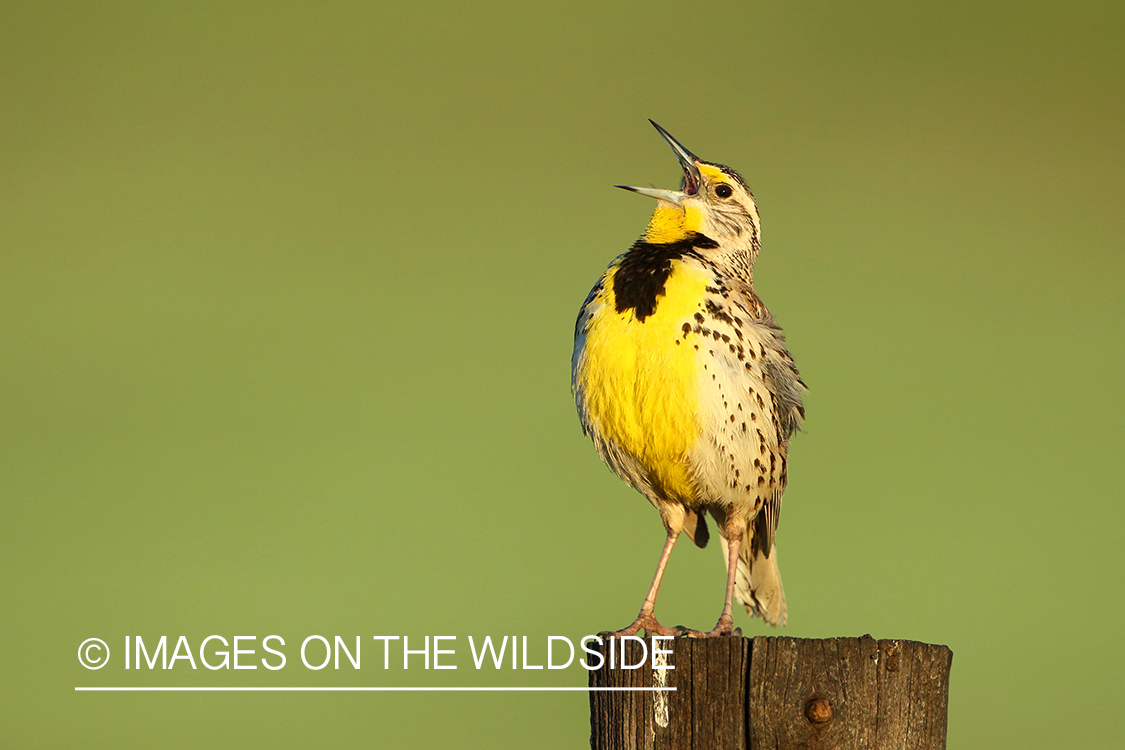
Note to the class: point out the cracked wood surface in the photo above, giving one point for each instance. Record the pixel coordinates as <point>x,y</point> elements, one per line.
<point>771,693</point>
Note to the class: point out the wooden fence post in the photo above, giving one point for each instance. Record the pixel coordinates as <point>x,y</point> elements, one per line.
<point>776,693</point>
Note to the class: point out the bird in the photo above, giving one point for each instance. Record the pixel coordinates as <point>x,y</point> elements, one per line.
<point>683,382</point>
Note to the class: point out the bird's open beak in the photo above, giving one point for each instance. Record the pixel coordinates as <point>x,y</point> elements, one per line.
<point>692,178</point>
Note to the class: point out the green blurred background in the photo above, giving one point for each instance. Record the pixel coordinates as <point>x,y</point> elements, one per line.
<point>287,293</point>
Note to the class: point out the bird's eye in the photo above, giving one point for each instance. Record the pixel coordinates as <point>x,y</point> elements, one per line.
<point>723,191</point>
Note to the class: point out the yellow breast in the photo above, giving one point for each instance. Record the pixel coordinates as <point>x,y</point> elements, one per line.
<point>640,379</point>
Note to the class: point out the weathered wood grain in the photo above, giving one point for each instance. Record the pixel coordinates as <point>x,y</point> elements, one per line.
<point>776,694</point>
<point>707,709</point>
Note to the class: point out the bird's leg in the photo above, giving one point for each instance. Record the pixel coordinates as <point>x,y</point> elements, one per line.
<point>646,619</point>
<point>725,625</point>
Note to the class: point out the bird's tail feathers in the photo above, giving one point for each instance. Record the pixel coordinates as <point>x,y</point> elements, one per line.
<point>757,583</point>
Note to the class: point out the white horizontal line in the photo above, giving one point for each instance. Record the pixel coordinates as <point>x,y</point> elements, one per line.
<point>377,689</point>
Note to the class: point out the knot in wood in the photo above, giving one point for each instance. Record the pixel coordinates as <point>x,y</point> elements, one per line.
<point>818,711</point>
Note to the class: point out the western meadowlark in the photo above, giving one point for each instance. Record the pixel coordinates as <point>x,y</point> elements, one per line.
<point>684,384</point>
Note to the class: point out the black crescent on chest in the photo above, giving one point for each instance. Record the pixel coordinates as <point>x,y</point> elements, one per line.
<point>639,281</point>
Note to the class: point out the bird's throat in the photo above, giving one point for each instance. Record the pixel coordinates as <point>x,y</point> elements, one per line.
<point>672,223</point>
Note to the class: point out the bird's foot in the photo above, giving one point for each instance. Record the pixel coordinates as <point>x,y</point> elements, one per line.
<point>646,621</point>
<point>724,627</point>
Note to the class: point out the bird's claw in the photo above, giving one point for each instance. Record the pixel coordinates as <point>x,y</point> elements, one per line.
<point>645,621</point>
<point>721,630</point>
